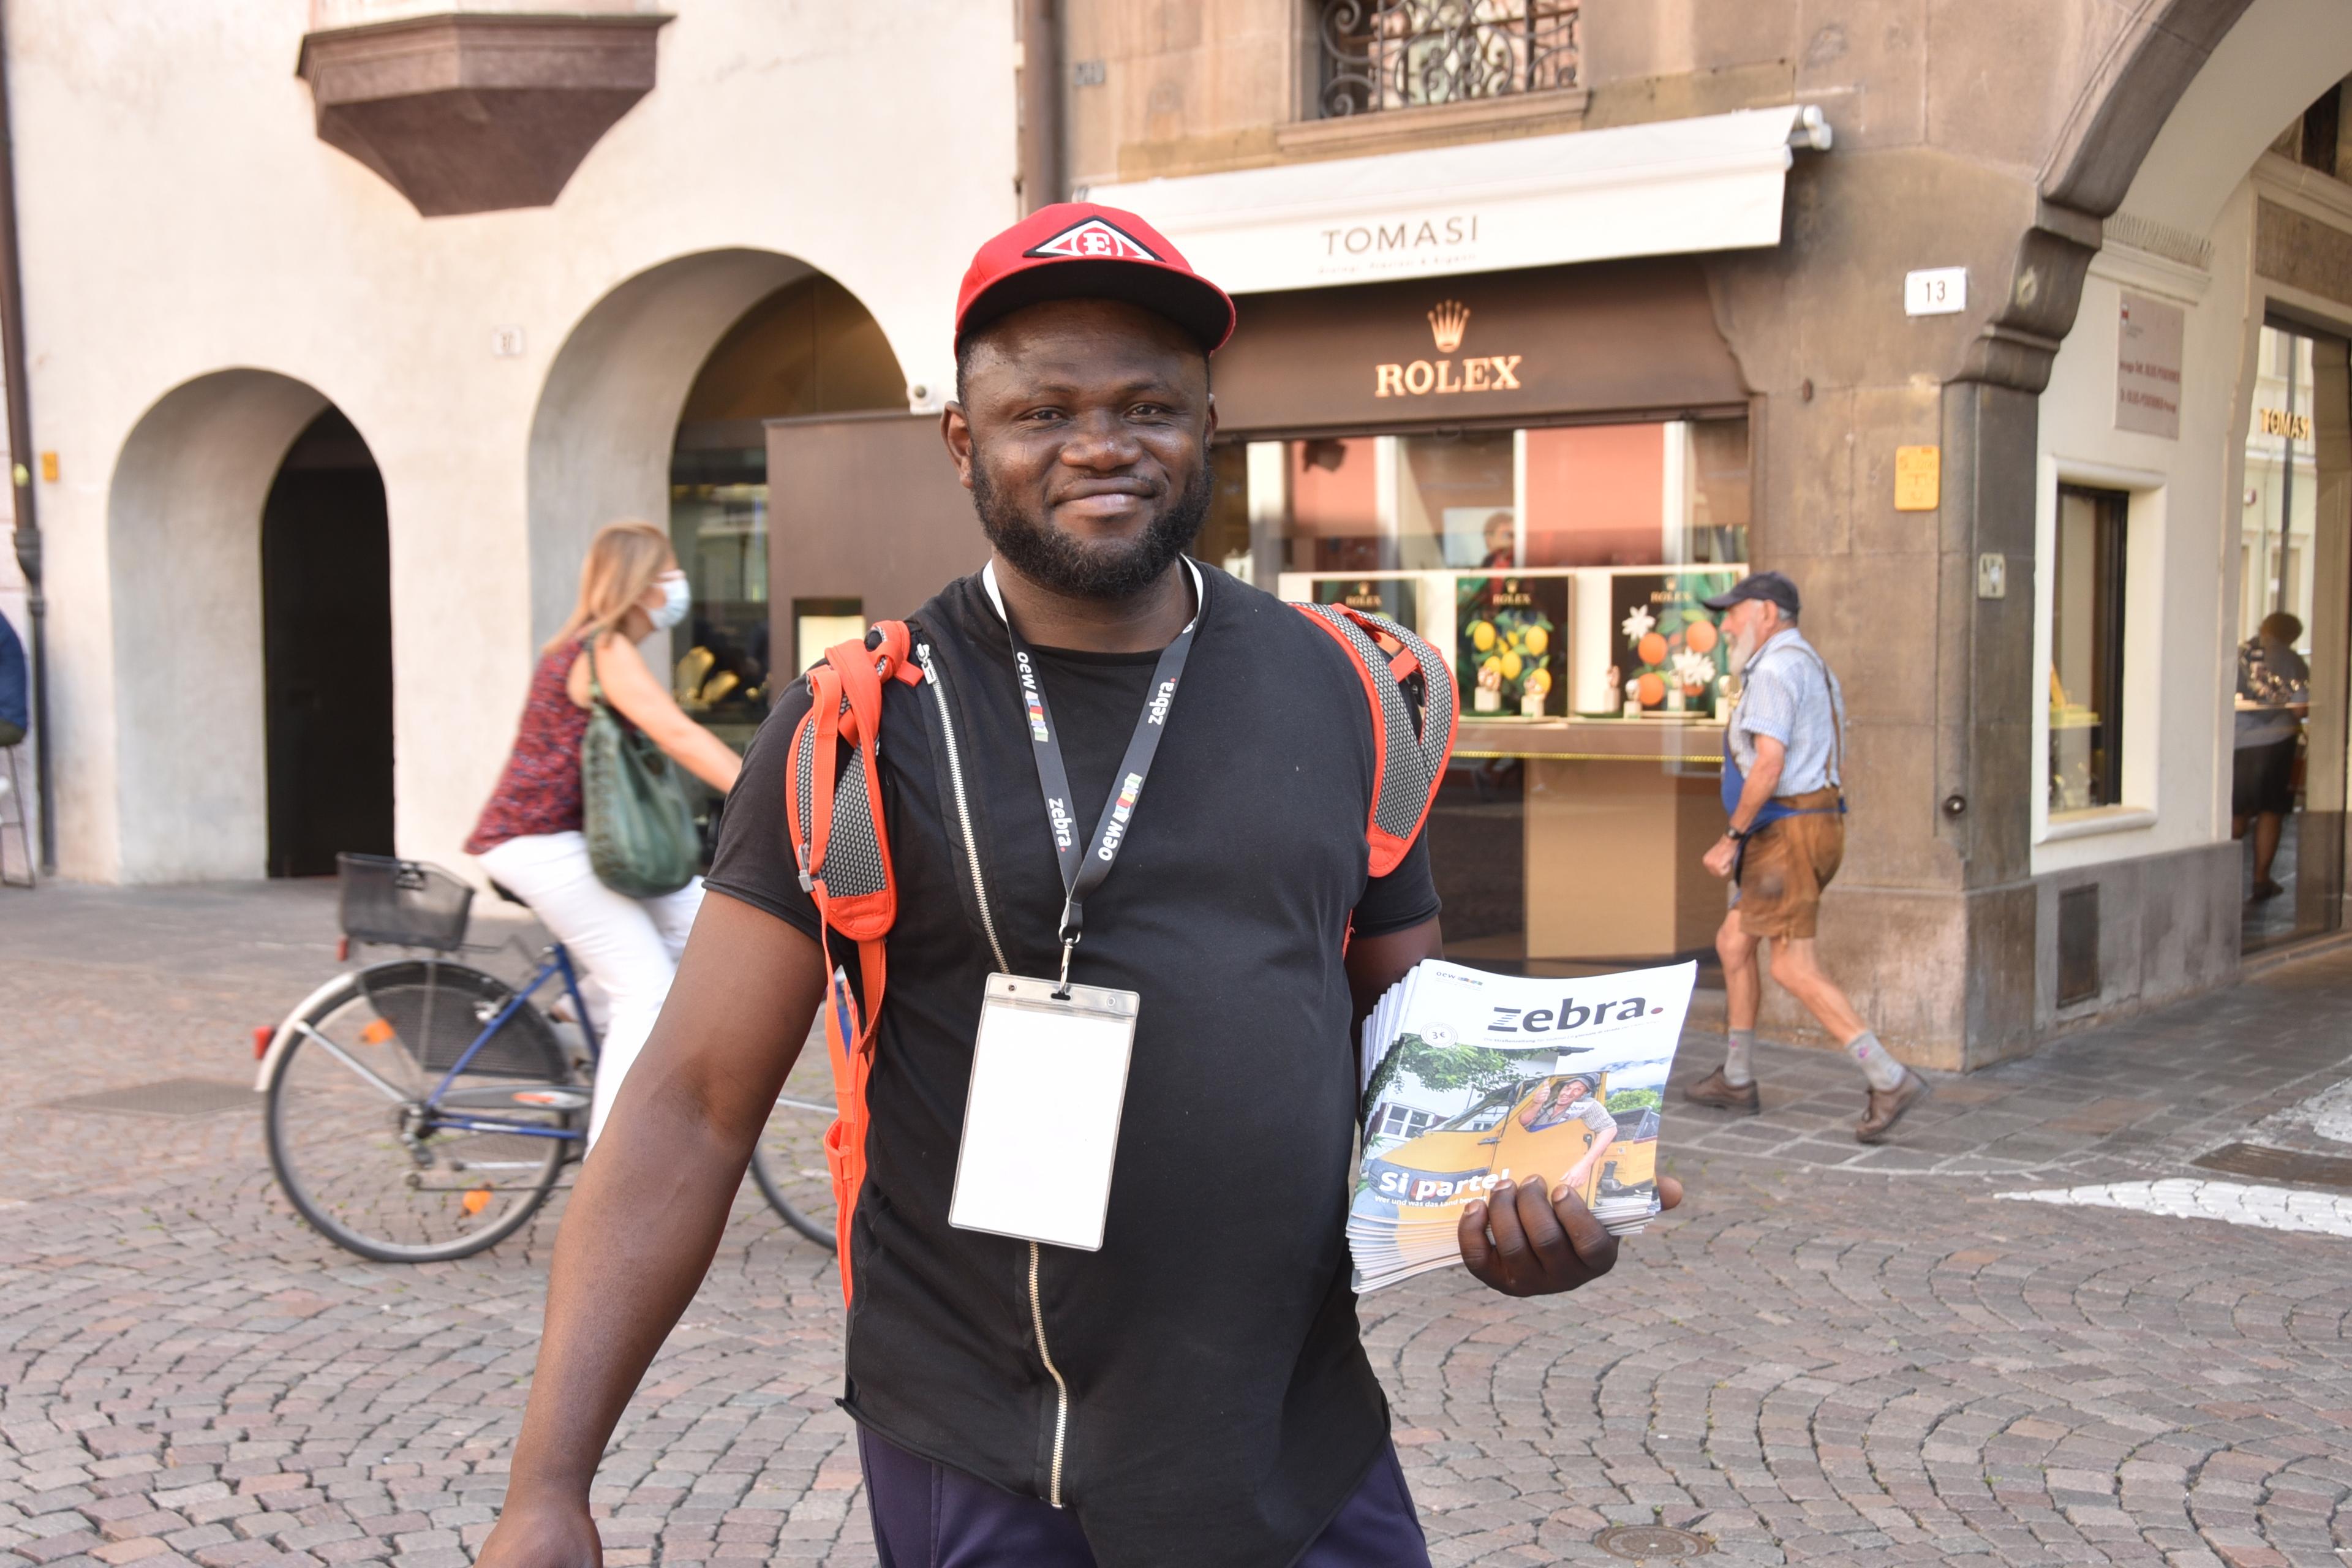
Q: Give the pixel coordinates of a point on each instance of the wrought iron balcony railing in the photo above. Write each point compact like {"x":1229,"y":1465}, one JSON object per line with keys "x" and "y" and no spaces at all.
{"x":1403,"y":54}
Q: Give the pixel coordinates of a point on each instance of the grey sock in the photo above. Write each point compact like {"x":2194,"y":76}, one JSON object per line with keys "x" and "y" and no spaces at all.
{"x":1735,"y":1070}
{"x":1882,"y":1070}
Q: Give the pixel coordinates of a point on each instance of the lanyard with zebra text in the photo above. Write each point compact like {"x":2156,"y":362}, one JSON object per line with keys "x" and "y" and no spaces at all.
{"x":1049,"y":1059}
{"x":1084,"y":867}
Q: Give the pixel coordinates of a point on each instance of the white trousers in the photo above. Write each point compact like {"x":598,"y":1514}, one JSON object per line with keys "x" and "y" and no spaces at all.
{"x":630,"y":946}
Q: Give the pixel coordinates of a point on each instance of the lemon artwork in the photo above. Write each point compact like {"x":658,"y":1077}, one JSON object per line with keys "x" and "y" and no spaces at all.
{"x":1506,"y":637}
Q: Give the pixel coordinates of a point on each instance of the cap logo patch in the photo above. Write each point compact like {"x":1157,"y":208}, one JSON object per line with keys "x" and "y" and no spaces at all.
{"x":1095,"y":240}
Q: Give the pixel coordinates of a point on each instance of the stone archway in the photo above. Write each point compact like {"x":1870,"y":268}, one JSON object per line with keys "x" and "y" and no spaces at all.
{"x":184,"y":547}
{"x":2281,"y":55}
{"x":660,"y":393}
{"x":2124,"y":103}
{"x":602,"y":438}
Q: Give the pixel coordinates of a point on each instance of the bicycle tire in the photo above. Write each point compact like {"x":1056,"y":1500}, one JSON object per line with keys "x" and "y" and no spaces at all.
{"x":789,"y":1163}
{"x":772,"y":1190}
{"x":308,"y":1112}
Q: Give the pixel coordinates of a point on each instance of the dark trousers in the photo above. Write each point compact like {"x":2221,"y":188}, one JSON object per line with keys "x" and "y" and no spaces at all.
{"x":929,"y":1516}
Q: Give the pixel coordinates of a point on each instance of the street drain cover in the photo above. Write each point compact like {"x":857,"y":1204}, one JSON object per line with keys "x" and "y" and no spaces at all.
{"x":1643,"y":1542}
{"x":2280,"y":1164}
{"x":172,"y":1097}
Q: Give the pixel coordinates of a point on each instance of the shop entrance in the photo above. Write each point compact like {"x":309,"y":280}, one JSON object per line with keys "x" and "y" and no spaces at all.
{"x":807,"y":349}
{"x":326,"y":602}
{"x":2288,"y":714}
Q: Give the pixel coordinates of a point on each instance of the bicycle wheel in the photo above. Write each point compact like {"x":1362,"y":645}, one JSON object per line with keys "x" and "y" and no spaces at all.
{"x":789,"y":1163}
{"x":362,"y":1157}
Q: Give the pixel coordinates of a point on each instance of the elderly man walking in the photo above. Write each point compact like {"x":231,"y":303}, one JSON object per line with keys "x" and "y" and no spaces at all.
{"x":1782,"y":772}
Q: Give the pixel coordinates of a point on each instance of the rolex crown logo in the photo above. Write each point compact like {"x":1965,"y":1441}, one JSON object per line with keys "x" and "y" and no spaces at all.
{"x":1446,"y":322}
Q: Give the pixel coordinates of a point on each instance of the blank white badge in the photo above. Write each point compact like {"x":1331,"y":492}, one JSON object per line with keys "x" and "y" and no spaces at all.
{"x":1041,"y":1125}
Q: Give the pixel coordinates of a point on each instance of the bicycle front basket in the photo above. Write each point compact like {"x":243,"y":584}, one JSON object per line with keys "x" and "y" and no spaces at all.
{"x":402,"y":903}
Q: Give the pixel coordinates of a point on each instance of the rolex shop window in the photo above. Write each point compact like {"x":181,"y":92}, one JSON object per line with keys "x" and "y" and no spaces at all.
{"x":1561,"y":567}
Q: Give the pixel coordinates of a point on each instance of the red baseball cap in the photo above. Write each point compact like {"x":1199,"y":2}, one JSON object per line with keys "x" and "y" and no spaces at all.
{"x":1079,"y":250}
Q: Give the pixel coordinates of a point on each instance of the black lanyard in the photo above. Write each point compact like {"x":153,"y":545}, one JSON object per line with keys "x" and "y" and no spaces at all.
{"x":1083,"y":869}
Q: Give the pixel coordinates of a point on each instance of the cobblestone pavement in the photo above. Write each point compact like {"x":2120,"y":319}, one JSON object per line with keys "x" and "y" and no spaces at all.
{"x":1829,"y":1356}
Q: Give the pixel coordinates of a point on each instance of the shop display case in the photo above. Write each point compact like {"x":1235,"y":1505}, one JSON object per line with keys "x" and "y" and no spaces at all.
{"x":1585,"y":784}
{"x":1604,"y":662}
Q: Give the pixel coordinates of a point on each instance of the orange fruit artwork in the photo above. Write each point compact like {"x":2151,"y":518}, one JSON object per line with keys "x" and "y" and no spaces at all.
{"x":1650,"y":688}
{"x":1700,"y":636}
{"x":1653,"y":648}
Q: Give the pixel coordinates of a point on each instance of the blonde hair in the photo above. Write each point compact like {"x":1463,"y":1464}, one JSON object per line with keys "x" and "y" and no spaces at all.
{"x":623,"y":559}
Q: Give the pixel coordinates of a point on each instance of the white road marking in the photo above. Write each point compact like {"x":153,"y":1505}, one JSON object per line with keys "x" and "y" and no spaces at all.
{"x":2328,"y":1113}
{"x":2234,"y":1202}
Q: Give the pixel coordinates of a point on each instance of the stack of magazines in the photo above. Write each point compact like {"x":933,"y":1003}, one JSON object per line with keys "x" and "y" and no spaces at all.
{"x":1472,"y":1078}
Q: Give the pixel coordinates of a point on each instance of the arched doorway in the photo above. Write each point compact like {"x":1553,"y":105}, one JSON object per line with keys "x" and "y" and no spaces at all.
{"x":808,"y":349}
{"x":196,"y":634}
{"x":655,"y":408}
{"x":326,"y":607}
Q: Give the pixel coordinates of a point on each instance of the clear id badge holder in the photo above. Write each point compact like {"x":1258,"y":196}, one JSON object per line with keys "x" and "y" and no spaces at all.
{"x":1041,"y":1123}
{"x":1049,"y":1063}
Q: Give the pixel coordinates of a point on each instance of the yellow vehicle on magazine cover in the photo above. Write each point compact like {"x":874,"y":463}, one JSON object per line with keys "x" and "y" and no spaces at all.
{"x":1554,"y":1126}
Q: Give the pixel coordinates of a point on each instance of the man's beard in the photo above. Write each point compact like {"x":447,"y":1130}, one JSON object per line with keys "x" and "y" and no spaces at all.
{"x":1069,"y":566}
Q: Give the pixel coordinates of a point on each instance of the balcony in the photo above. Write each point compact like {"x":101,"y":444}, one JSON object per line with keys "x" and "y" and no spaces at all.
{"x":465,"y":107}
{"x":1379,"y":56}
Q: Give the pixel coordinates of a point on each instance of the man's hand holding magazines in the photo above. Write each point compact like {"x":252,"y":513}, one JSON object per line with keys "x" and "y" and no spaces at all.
{"x":1527,"y":1242}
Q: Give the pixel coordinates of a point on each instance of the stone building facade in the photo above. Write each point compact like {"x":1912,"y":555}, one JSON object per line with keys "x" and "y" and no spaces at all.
{"x":2068,"y":159}
{"x":490,"y":274}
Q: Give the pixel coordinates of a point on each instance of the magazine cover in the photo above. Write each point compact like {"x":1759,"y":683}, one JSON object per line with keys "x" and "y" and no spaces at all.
{"x":1471,"y":1078}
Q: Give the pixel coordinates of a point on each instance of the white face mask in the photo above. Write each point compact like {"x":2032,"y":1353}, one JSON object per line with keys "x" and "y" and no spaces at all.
{"x":678,"y":597}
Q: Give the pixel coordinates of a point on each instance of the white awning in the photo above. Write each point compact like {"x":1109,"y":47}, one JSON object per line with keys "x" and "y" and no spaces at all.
{"x":1674,"y":185}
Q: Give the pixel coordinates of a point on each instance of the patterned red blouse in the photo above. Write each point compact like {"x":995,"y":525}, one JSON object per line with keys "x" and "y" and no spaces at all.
{"x":539,"y":790}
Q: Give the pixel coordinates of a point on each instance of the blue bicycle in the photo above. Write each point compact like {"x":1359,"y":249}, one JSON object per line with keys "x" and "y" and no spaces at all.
{"x":421,"y":1109}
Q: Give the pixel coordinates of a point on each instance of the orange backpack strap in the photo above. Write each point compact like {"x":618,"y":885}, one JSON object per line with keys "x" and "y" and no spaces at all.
{"x":833,"y":814}
{"x":1412,"y":730}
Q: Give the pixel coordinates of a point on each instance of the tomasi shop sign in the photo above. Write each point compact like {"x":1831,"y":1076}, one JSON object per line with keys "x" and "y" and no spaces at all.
{"x":1405,"y":246}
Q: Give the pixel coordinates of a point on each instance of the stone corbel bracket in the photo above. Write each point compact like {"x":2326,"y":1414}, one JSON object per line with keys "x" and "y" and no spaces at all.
{"x":472,"y":112}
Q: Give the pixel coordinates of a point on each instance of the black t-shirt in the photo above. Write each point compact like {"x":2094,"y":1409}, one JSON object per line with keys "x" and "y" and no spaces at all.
{"x":1220,"y":1406}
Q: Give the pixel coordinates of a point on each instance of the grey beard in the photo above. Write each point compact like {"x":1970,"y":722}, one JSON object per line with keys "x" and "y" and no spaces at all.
{"x":1056,"y":560}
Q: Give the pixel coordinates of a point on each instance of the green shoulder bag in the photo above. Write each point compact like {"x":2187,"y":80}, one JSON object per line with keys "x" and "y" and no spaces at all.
{"x":640,"y":827}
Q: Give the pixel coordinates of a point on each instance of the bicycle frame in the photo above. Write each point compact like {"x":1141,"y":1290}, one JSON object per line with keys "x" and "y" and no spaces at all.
{"x":557,"y":962}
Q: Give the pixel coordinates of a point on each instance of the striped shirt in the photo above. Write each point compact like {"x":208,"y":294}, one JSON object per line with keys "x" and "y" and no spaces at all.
{"x":1788,"y":693}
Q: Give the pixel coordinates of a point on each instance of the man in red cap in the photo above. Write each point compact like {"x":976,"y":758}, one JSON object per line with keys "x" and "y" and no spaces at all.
{"x":1191,"y":1389}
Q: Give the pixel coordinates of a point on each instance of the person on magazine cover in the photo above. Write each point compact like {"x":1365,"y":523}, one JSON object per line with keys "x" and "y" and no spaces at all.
{"x":1783,"y":776}
{"x":1573,"y":1101}
{"x":1194,"y":1391}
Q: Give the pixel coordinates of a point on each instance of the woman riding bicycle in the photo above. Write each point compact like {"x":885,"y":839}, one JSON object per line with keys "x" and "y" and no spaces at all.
{"x":529,"y":840}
